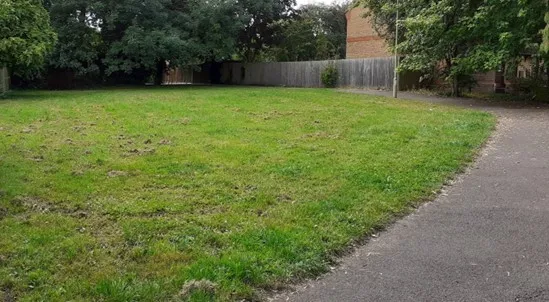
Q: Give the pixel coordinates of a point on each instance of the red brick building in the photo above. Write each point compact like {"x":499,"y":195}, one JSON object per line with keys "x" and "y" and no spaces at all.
{"x":362,"y":39}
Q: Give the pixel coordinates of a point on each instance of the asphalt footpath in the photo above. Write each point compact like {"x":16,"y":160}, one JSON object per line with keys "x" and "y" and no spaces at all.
{"x":485,"y":238}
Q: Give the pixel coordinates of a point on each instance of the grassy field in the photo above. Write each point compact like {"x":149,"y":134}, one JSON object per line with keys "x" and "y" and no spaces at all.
{"x":207,"y":193}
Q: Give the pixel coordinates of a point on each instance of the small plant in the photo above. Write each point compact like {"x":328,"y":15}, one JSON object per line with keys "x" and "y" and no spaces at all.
{"x":329,"y":76}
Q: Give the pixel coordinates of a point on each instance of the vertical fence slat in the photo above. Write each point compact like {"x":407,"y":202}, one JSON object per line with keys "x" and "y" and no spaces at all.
{"x":4,"y":80}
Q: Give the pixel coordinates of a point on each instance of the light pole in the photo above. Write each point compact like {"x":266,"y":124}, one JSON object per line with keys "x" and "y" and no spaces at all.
{"x":395,"y":80}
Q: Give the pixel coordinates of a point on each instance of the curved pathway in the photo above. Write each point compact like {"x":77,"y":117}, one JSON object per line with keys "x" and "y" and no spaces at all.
{"x":485,"y":238}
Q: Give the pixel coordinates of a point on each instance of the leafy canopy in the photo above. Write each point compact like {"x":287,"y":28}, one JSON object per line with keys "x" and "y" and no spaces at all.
{"x":80,"y":40}
{"x":462,"y":36}
{"x":25,"y":35}
{"x":126,"y":39}
{"x":129,"y":40}
{"x":314,"y":32}
{"x":545,"y":45}
{"x":261,"y":24}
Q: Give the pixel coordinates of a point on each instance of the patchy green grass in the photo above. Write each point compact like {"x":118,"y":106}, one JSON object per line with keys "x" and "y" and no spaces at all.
{"x":207,"y":193}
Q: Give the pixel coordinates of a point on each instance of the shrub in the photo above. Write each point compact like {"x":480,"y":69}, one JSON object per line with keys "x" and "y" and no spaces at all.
{"x":530,"y":88}
{"x":329,"y":76}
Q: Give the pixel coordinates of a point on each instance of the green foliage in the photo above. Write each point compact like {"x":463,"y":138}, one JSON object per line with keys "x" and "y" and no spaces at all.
{"x":172,"y":193}
{"x":330,"y":76}
{"x":216,"y":28}
{"x":127,"y":41}
{"x":80,"y":42}
{"x":314,"y":32}
{"x":26,"y":36}
{"x":131,"y":41}
{"x":545,"y":45}
{"x":181,"y":32}
{"x":531,"y":88}
{"x":297,"y":42}
{"x":261,"y":23}
{"x":465,"y":36}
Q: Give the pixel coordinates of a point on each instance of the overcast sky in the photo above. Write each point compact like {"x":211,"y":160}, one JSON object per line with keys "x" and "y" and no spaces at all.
{"x":301,"y":2}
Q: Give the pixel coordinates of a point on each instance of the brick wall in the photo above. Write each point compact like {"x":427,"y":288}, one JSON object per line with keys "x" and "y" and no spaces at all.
{"x":362,"y":39}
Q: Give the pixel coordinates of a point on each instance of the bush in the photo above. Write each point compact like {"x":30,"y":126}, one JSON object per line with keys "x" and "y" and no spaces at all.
{"x":329,"y":76}
{"x":531,"y":88}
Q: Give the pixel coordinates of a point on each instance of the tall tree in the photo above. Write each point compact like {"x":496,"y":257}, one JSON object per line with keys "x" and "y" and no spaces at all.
{"x":26,"y":35}
{"x":80,"y":43}
{"x":261,"y":24}
{"x":439,"y":33}
{"x":313,"y":32}
{"x":142,"y":36}
{"x":466,"y":36}
{"x":216,"y":26}
{"x":294,"y":41}
{"x":545,"y":45}
{"x":330,"y":22}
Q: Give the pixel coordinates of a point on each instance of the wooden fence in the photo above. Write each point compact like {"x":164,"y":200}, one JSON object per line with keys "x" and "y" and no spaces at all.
{"x":367,"y":73}
{"x":4,"y":80}
{"x":176,"y":76}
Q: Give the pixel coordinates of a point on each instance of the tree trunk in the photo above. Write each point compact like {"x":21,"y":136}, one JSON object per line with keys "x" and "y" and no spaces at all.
{"x":454,"y":79}
{"x":455,"y":87}
{"x":160,"y":70}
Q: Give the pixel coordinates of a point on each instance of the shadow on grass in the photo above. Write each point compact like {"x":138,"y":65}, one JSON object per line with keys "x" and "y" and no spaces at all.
{"x":37,"y":95}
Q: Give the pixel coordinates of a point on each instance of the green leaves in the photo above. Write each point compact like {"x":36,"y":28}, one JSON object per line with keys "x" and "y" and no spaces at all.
{"x":461,"y":36}
{"x":314,"y":32}
{"x":131,"y":39}
{"x":80,"y":42}
{"x":25,"y":35}
{"x":545,"y":33}
{"x":261,"y":25}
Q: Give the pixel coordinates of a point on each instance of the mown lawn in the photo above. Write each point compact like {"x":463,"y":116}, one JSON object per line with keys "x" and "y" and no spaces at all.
{"x":207,"y":193}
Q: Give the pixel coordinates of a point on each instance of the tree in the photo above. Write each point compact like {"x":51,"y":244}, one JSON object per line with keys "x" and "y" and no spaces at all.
{"x":216,"y":27}
{"x":261,"y":23}
{"x":462,"y":36}
{"x":313,"y":32}
{"x":26,"y":36}
{"x":80,"y":44}
{"x":295,"y":41}
{"x":330,"y":24}
{"x":512,"y":30}
{"x":545,"y":45}
{"x":142,"y":36}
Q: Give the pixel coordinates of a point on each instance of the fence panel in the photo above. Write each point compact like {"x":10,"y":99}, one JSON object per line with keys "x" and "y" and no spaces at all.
{"x":368,"y":73}
{"x":4,"y":80}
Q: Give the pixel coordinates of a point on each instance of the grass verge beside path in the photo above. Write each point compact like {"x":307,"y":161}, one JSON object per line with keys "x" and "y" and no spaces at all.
{"x":207,"y":193}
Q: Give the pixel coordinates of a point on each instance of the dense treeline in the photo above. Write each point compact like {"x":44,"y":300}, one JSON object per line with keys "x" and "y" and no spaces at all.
{"x":90,"y":42}
{"x":467,"y":36}
{"x":130,"y":41}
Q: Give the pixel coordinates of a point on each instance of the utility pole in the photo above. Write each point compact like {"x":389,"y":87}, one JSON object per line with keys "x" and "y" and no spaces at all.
{"x":395,"y":80}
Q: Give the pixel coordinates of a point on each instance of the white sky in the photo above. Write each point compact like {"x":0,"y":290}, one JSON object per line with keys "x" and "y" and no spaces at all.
{"x":301,"y":2}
